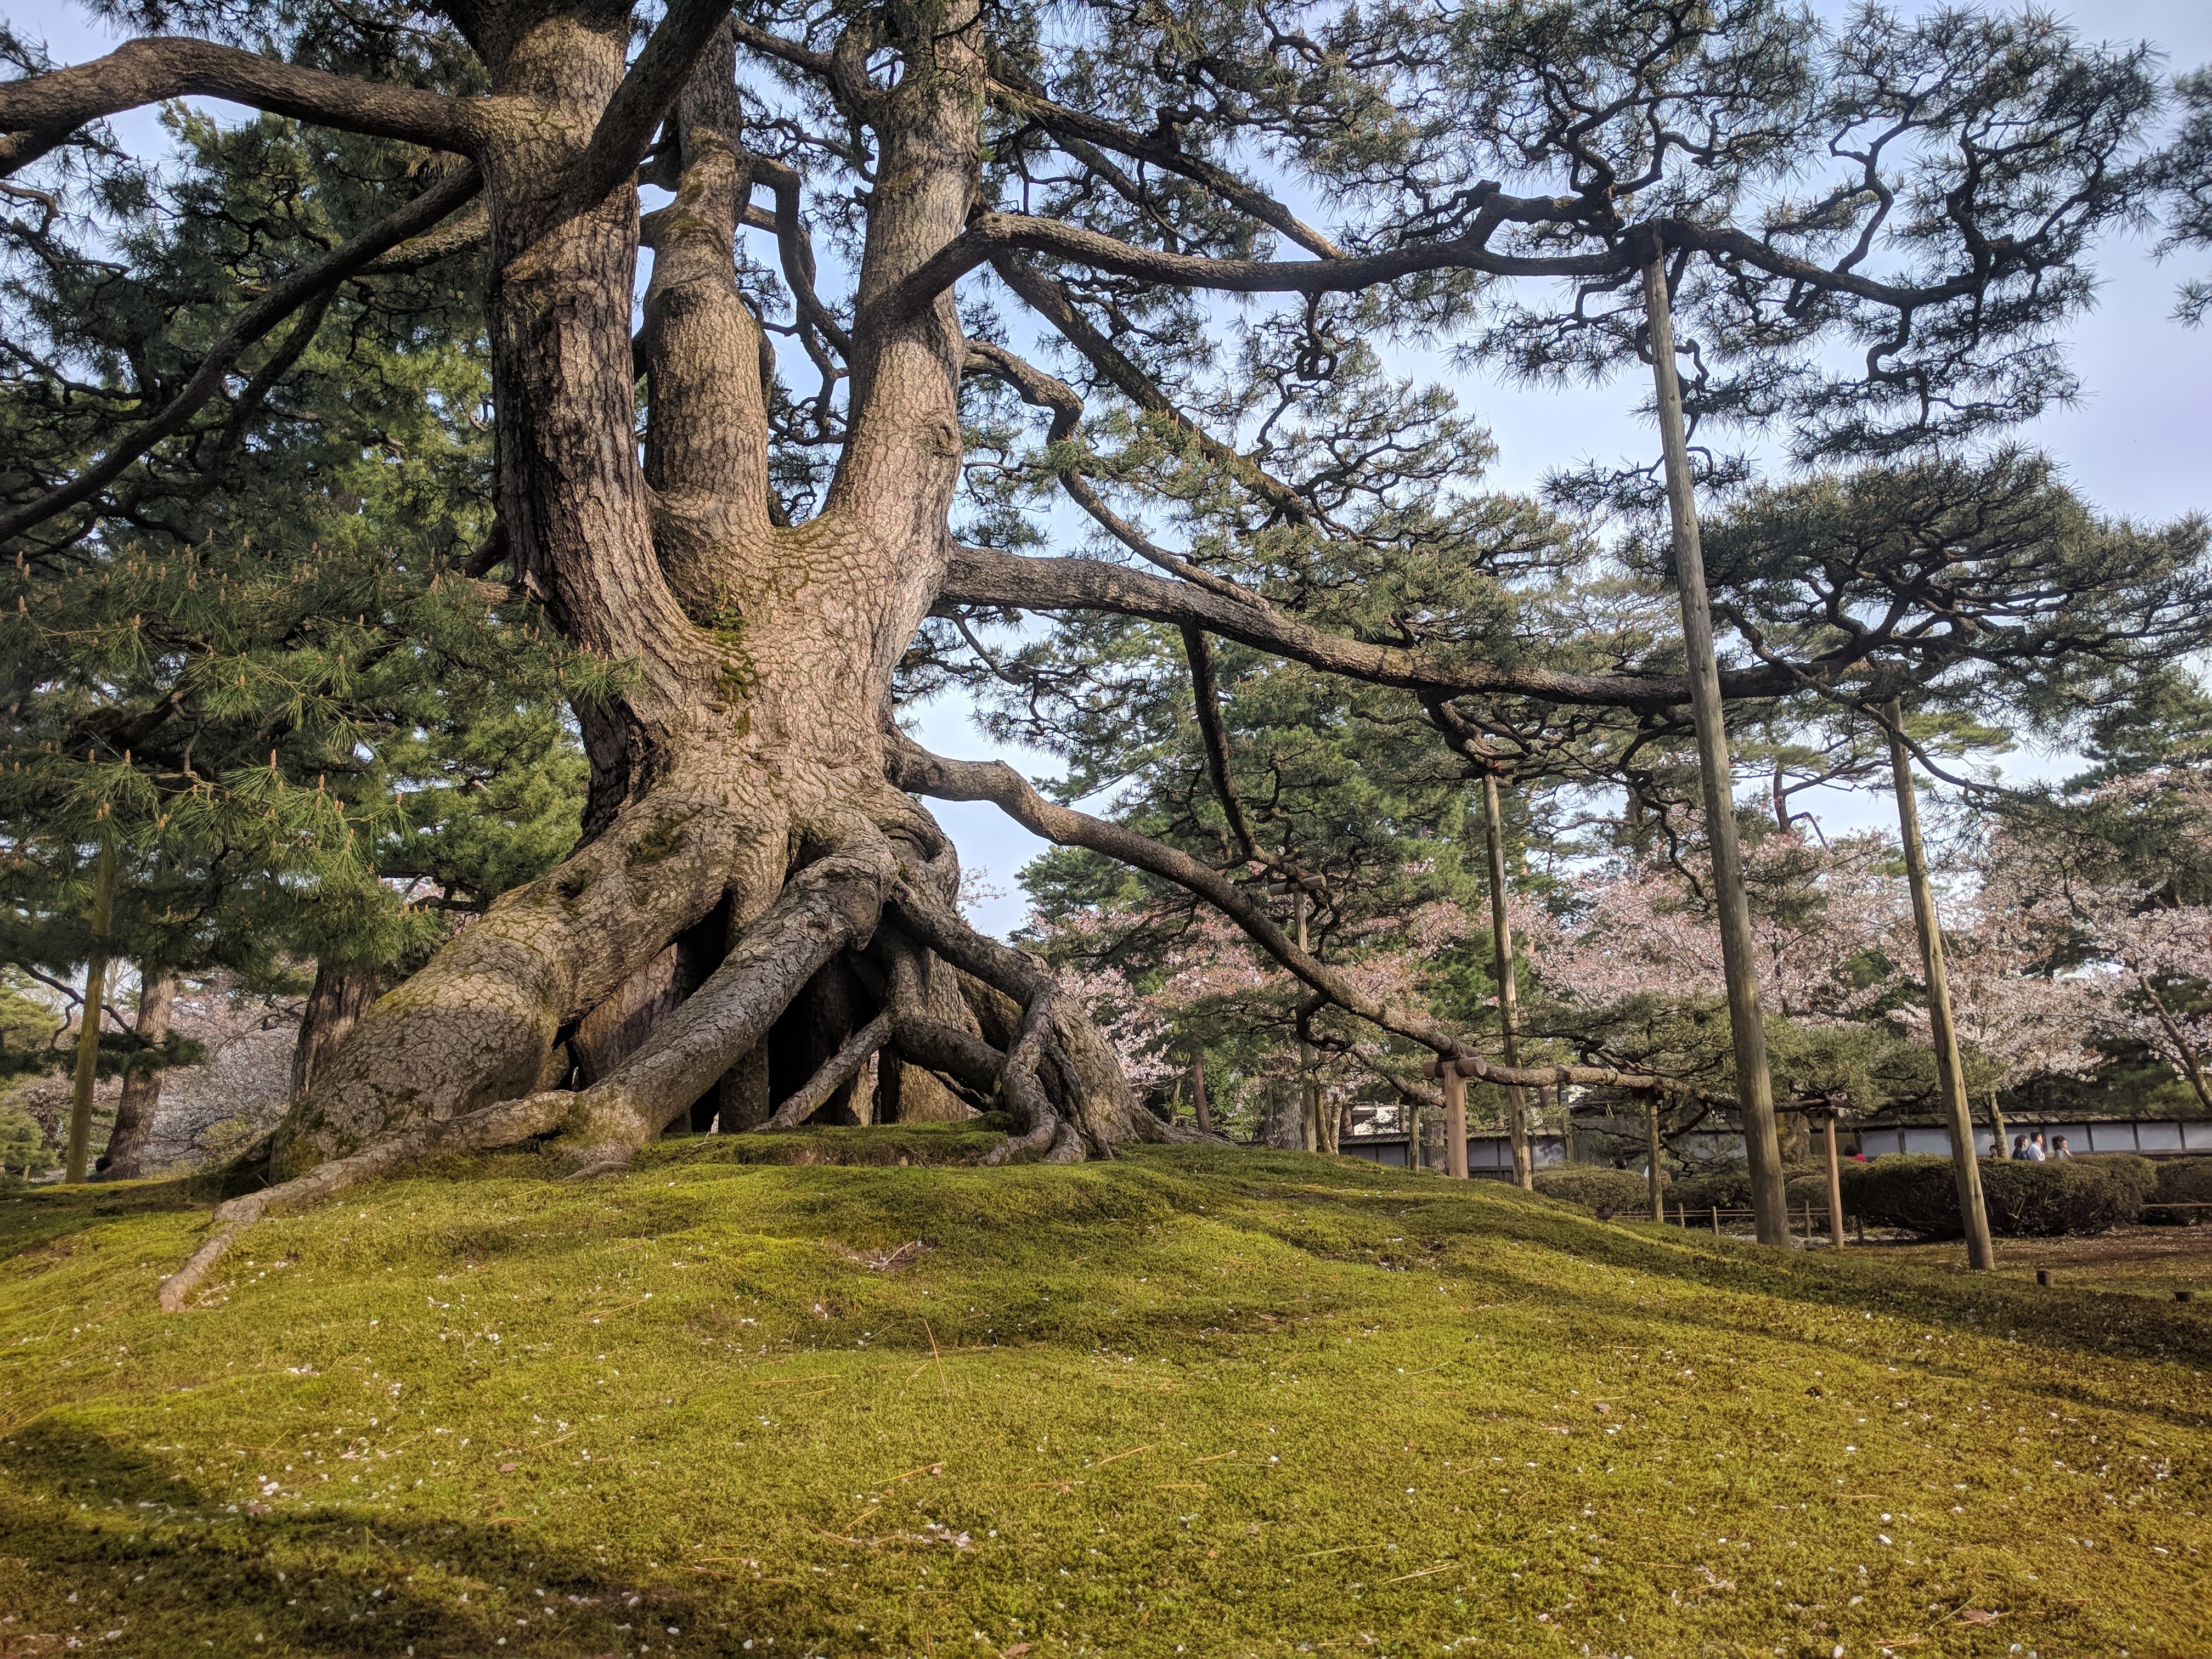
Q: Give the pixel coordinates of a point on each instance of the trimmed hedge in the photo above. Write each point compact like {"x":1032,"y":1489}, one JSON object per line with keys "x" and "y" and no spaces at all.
{"x":2025,"y":1201}
{"x":1729,"y":1189}
{"x":1623,"y":1192}
{"x":2182,"y":1181}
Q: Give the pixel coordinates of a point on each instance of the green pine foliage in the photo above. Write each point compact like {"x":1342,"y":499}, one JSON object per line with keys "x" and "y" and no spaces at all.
{"x":256,"y":665}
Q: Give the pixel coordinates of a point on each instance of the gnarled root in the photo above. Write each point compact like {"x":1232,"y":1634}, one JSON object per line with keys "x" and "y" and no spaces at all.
{"x":829,"y":906}
{"x":840,"y":1068}
{"x":506,"y":1124}
{"x":1053,"y":1048}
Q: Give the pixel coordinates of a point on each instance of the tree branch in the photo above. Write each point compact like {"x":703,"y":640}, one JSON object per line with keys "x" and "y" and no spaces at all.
{"x":1059,"y":120}
{"x":1052,"y":302}
{"x":1043,"y":391}
{"x":911,"y":767}
{"x":990,"y":237}
{"x":1206,"y":697}
{"x":43,"y":111}
{"x":978,"y":575}
{"x":649,"y":90}
{"x":307,"y":286}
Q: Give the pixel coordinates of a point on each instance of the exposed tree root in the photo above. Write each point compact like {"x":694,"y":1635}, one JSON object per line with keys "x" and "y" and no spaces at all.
{"x":506,"y":1124}
{"x":842,"y":1067}
{"x":968,"y":1063}
{"x":1095,"y":1109}
{"x":829,"y":906}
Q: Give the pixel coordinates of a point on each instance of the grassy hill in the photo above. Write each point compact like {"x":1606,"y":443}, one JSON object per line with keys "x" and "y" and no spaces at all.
{"x":1197,"y":1400}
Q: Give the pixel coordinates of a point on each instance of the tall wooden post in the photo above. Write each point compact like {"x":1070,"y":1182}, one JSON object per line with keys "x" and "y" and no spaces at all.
{"x":88,"y":1037}
{"x":1754,"y":1087}
{"x":1652,"y":1149}
{"x":1509,"y":1011}
{"x":1197,"y":1091}
{"x":1835,"y":1182}
{"x":1309,"y":1095}
{"x":1950,"y":1075}
{"x":1455,"y":1120}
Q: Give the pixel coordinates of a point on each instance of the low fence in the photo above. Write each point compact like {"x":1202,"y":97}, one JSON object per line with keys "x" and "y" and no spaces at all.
{"x":1491,"y":1155}
{"x":1812,"y":1220}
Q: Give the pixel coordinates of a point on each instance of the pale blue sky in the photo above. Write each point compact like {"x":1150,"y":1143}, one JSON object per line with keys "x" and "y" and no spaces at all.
{"x":2135,"y":443}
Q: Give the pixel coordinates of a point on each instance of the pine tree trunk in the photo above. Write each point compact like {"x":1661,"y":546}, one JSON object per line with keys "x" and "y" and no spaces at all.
{"x":79,"y":1147}
{"x":751,"y":889}
{"x":142,"y":1086}
{"x":1508,"y":1021}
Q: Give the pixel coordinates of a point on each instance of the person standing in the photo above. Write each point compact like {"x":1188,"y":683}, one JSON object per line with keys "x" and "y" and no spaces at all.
{"x":2019,"y":1148}
{"x":2059,"y":1148}
{"x":2035,"y":1153}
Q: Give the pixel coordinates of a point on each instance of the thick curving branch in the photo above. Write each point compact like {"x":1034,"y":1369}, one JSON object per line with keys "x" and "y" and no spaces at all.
{"x":914,"y":768}
{"x":41,"y":112}
{"x":309,"y":286}
{"x":979,"y":575}
{"x":471,"y":231}
{"x":990,"y":237}
{"x":795,"y":248}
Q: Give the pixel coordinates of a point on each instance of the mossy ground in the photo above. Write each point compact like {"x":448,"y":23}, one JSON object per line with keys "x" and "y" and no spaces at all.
{"x":1196,"y":1400}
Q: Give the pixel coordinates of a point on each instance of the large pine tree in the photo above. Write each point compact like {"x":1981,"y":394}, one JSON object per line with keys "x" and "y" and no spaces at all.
{"x":755,"y":562}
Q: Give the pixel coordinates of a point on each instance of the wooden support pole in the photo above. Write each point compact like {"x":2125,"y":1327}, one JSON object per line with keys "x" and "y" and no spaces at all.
{"x":1981,"y":1253}
{"x":1308,"y":1094}
{"x":88,"y":1037}
{"x":1454,"y":1122}
{"x":1754,"y":1087}
{"x":1835,"y":1182}
{"x":1651,"y":1139}
{"x":1509,"y":1015}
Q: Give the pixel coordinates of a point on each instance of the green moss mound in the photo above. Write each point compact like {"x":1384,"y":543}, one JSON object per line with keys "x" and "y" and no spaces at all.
{"x":942,"y":1145}
{"x":1195,"y":1400}
{"x":2025,"y":1200}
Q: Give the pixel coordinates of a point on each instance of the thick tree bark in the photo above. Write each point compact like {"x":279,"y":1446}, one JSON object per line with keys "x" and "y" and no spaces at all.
{"x":142,"y":1086}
